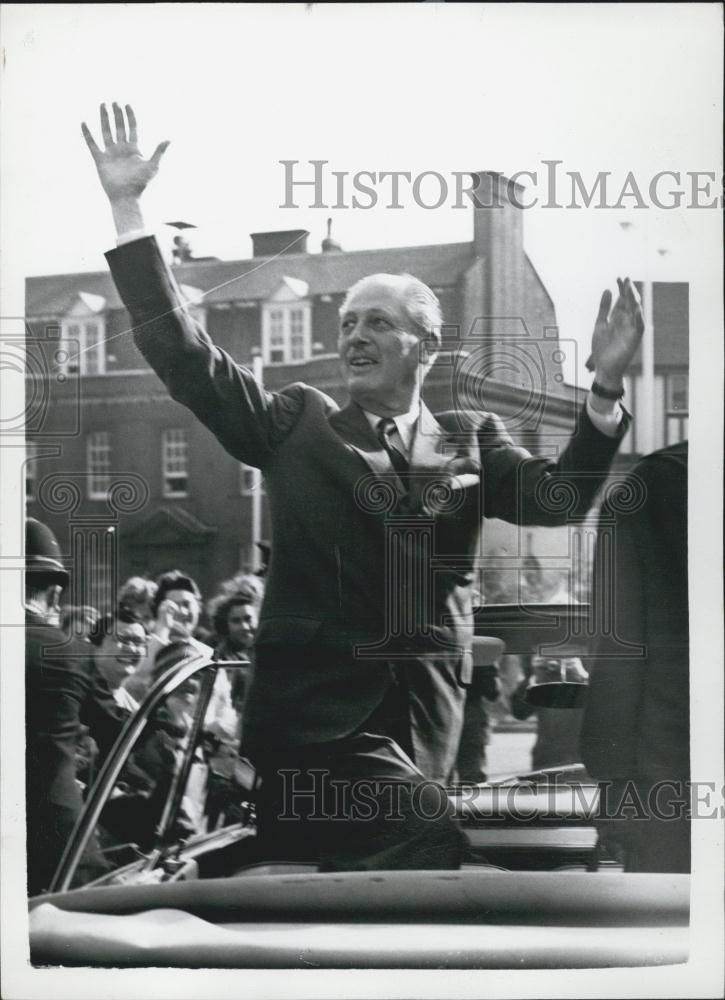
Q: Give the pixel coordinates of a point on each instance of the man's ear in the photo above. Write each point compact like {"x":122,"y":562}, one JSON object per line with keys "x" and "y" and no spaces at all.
{"x":429,"y":348}
{"x":52,"y":597}
{"x":430,"y":344}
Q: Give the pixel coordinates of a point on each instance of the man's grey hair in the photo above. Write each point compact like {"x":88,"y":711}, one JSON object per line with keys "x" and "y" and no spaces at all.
{"x":419,"y":302}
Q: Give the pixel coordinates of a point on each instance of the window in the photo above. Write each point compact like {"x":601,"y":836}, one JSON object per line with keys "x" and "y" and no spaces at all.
{"x":98,"y":464}
{"x":286,"y":333}
{"x":31,"y":471}
{"x":677,"y":408}
{"x":83,"y":342}
{"x":175,"y":463}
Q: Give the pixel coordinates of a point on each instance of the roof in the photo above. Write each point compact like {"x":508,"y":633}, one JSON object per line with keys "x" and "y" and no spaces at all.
{"x":256,"y":278}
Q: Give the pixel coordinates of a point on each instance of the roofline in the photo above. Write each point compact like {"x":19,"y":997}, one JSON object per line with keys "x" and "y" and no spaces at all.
{"x":246,"y":260}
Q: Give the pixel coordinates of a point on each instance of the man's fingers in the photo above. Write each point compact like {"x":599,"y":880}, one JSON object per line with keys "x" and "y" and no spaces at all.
{"x":159,"y":152}
{"x":106,"y":127}
{"x":604,"y":306}
{"x":90,"y":141}
{"x":635,"y":304}
{"x":120,"y":123}
{"x":132,"y":129}
{"x":632,"y":293}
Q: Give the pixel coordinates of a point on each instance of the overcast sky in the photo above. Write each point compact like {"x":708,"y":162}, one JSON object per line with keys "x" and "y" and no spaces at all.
{"x":434,"y":87}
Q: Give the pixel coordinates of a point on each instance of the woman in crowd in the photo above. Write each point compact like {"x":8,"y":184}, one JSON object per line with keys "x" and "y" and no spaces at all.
{"x":175,"y":608}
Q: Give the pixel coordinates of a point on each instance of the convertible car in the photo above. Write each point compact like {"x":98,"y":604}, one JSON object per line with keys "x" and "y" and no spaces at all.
{"x":164,"y":870}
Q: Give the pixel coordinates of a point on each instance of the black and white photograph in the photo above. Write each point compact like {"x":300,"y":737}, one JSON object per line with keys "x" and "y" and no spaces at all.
{"x":361,"y":436}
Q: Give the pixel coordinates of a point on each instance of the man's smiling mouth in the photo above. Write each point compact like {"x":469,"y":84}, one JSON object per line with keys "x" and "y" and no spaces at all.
{"x":361,"y":362}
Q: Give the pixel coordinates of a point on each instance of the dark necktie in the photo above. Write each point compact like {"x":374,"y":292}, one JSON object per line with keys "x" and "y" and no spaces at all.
{"x":386,"y":428}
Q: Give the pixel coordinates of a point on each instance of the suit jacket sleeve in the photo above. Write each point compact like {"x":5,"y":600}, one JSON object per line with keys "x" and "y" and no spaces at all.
{"x":527,"y":490}
{"x":247,"y":420}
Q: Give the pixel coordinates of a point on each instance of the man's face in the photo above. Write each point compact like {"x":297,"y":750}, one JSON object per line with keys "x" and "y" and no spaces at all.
{"x":121,"y":652}
{"x":241,"y":625}
{"x":380,"y":350}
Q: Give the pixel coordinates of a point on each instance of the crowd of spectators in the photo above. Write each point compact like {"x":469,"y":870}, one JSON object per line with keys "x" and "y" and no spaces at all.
{"x":88,"y":669}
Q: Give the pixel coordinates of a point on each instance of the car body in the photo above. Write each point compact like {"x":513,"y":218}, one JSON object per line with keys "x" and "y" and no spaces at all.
{"x":192,"y":889}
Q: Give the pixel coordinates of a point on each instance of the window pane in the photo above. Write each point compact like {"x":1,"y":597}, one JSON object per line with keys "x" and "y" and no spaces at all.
{"x":174,"y":461}
{"x":175,"y":484}
{"x":98,"y":464}
{"x":286,"y":334}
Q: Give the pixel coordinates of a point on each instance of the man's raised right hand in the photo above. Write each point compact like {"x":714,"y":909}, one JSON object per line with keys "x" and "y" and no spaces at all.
{"x":123,"y":171}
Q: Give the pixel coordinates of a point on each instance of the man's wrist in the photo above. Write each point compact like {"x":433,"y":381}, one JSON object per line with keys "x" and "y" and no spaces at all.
{"x":605,"y":414}
{"x":609,"y":382}
{"x":127,"y":215}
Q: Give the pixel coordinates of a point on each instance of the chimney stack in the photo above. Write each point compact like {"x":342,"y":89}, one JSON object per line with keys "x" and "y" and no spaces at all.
{"x":281,"y":241}
{"x":498,"y":238}
{"x":328,"y":244}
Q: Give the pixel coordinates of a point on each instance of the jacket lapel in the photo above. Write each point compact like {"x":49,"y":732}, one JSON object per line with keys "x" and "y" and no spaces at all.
{"x":428,"y":457}
{"x":352,"y":426}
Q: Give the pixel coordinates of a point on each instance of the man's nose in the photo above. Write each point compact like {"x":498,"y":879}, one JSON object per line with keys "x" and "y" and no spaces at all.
{"x":358,"y":334}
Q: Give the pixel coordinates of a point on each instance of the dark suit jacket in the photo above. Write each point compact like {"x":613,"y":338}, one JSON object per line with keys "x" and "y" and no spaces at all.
{"x":636,"y":721}
{"x":354,"y":562}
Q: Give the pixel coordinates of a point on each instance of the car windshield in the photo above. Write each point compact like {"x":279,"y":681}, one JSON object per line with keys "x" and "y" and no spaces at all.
{"x":174,"y":777}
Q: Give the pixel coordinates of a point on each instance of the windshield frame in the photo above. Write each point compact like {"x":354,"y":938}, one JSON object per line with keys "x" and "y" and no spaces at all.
{"x":111,"y":769}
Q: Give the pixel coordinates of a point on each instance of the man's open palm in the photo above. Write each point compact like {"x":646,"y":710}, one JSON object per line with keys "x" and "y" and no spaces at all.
{"x":123,"y":171}
{"x":617,"y":333}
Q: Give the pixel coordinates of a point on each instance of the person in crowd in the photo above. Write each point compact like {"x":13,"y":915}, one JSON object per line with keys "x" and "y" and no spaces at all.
{"x":62,"y":692}
{"x":175,"y":609}
{"x":136,"y":596}
{"x":250,"y":583}
{"x":235,"y":623}
{"x":635,"y":736}
{"x":119,"y":644}
{"x":149,"y":771}
{"x":358,"y":674}
{"x":78,"y":620}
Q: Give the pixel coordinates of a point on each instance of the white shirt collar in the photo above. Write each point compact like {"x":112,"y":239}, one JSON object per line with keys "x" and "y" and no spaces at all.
{"x":404,"y":422}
